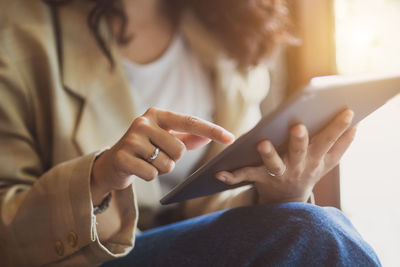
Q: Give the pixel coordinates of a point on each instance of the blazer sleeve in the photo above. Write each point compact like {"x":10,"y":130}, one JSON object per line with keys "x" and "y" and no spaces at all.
{"x":46,"y":215}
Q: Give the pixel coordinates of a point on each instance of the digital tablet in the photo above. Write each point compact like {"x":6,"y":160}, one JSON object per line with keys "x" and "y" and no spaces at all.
{"x":314,"y":106}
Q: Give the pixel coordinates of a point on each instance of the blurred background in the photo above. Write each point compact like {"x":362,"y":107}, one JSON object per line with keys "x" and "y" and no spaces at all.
{"x":368,"y":40}
{"x":352,"y":37}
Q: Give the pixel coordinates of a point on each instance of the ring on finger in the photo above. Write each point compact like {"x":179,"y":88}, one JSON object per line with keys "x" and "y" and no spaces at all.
{"x":154,"y":155}
{"x":277,"y":175}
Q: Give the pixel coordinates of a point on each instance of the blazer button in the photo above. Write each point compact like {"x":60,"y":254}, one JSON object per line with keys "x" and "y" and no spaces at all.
{"x":72,"y":239}
{"x":59,"y":248}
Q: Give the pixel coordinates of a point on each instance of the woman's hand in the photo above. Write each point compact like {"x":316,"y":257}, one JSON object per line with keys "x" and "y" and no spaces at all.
{"x":292,"y":178}
{"x":113,"y":170}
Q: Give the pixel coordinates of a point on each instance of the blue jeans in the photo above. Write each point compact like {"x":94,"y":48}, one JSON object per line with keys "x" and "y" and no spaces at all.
{"x":290,"y":234}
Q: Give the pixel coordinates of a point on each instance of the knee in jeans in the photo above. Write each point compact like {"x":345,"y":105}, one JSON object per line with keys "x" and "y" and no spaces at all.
{"x":297,"y":208}
{"x":291,"y":218}
{"x":303,"y":214}
{"x":309,"y":212}
{"x":304,"y":228}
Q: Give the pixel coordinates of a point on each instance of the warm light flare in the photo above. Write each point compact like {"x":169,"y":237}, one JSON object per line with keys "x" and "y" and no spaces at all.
{"x":367,"y":35}
{"x":368,"y":41}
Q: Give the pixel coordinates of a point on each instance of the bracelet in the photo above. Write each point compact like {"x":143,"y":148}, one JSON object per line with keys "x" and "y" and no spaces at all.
{"x":103,"y":205}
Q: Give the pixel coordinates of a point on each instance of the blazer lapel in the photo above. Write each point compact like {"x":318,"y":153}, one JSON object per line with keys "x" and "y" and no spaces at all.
{"x":108,"y":107}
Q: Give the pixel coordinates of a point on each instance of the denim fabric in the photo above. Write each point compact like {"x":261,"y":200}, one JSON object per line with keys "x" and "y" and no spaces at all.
{"x":290,"y":234}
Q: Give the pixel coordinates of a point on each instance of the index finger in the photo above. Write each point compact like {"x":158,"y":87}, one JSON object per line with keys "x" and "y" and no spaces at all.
{"x":190,"y":124}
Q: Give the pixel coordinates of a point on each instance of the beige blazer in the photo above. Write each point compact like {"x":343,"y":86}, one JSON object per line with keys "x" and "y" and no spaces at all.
{"x":59,"y":106}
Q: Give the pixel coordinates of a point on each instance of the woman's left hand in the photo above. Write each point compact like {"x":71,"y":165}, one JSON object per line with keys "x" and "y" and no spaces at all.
{"x":292,"y":177}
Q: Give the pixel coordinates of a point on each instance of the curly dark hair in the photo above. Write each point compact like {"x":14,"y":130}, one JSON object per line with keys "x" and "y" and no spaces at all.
{"x":248,"y":30}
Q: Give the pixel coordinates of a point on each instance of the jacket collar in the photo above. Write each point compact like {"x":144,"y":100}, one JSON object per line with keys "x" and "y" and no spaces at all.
{"x":108,"y":108}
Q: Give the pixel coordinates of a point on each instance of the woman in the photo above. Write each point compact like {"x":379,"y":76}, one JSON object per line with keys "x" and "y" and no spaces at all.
{"x":75,"y":77}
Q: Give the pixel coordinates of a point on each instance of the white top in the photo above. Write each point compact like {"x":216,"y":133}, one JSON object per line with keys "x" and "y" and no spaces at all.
{"x":176,"y":82}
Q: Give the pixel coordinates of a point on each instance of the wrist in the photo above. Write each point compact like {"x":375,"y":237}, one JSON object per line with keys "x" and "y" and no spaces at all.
{"x":99,"y":190}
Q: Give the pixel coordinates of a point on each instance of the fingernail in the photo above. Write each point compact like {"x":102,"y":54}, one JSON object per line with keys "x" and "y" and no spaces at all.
{"x":349,"y":117}
{"x":221,"y":177}
{"x":267,"y":147}
{"x":230,"y":137}
{"x":300,"y":131}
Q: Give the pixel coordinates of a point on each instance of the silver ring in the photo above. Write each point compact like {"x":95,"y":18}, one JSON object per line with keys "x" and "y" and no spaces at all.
{"x":277,"y":175}
{"x":154,"y":155}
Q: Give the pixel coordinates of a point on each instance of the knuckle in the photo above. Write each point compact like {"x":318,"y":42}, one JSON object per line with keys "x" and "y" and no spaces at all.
{"x":140,"y":124}
{"x":151,"y":111}
{"x":191,"y":121}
